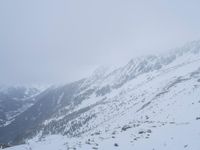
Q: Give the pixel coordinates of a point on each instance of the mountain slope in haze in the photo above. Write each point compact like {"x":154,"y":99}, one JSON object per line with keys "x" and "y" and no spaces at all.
{"x":150,"y":103}
{"x":14,"y":100}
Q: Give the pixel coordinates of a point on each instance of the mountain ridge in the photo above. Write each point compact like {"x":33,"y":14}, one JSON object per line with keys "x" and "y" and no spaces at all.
{"x":105,"y":102}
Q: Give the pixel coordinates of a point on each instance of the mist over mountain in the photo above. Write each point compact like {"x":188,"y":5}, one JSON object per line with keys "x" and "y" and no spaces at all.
{"x":48,"y":41}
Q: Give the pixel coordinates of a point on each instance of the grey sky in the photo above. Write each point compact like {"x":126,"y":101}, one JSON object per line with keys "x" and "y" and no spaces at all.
{"x":49,"y":41}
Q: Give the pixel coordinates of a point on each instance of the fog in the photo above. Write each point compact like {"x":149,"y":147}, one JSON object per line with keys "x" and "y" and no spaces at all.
{"x":53,"y":41}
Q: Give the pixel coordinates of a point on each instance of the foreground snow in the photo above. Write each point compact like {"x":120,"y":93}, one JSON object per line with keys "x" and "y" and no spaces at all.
{"x":167,"y":137}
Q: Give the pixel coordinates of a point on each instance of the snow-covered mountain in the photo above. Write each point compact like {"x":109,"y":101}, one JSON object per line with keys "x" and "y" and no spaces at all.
{"x":153,"y":102}
{"x":14,"y":100}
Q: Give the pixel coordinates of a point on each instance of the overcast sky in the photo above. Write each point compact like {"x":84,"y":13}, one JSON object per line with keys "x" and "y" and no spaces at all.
{"x":50,"y":41}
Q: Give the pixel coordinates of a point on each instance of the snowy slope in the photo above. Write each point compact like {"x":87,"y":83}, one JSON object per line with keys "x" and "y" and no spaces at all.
{"x":153,"y":102}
